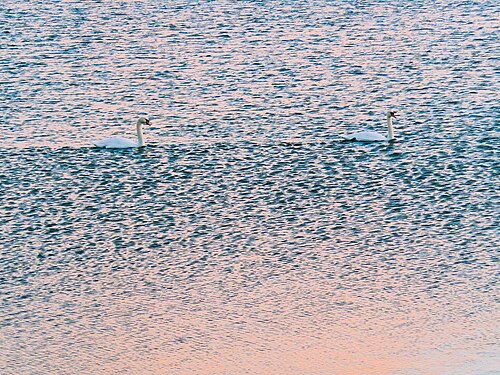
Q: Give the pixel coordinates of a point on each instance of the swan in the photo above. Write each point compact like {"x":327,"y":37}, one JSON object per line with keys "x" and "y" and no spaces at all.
{"x":374,"y":136}
{"x":120,"y":142}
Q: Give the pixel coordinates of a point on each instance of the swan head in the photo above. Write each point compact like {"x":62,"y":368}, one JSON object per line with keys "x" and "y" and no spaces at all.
{"x":143,"y":121}
{"x":391,"y":114}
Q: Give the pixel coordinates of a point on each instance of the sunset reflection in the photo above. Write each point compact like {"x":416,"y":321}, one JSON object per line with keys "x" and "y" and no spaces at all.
{"x":246,"y":237}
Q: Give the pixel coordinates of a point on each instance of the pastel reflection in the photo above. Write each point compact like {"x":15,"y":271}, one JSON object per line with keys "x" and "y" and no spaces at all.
{"x":246,"y":238}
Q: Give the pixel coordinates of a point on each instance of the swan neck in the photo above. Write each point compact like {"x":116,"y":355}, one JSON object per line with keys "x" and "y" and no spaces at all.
{"x":390,"y":129}
{"x":140,"y":137}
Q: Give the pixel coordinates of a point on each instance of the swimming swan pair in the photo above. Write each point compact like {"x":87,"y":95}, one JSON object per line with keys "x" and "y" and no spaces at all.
{"x":120,"y":142}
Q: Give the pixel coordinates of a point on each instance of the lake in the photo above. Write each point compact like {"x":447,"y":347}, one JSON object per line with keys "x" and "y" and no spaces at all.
{"x":247,"y":237}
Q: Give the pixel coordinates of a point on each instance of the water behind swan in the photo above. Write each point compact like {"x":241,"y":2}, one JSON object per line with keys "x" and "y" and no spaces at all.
{"x":245,"y":238}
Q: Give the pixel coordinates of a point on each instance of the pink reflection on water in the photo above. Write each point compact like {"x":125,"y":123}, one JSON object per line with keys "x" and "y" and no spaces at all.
{"x":365,"y":349}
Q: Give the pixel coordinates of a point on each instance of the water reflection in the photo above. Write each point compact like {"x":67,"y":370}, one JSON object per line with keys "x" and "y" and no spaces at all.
{"x":246,"y":238}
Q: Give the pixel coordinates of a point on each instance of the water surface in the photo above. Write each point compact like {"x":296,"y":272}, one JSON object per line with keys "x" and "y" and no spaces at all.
{"x":246,"y":238}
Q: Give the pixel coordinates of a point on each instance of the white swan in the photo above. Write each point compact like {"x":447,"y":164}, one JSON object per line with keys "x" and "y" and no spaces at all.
{"x":374,"y":136}
{"x":120,"y":142}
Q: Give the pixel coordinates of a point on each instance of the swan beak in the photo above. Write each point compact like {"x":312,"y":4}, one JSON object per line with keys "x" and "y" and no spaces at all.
{"x":393,"y":115}
{"x":148,"y":122}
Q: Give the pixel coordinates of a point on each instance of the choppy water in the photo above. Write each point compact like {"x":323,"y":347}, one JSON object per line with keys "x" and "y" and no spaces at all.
{"x":246,"y":238}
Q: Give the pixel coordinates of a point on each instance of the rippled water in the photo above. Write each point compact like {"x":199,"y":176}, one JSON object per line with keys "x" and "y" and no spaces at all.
{"x":246,"y":238}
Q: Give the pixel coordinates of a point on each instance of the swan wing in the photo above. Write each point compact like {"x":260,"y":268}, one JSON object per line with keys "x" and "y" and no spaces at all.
{"x":365,"y":137}
{"x":116,"y":142}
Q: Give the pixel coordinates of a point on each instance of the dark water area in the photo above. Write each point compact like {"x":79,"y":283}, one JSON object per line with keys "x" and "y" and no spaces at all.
{"x":246,"y":237}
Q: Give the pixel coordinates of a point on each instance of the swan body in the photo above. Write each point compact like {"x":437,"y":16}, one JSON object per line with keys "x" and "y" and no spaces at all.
{"x":373,"y":136}
{"x":121,"y":142}
{"x":365,"y":137}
